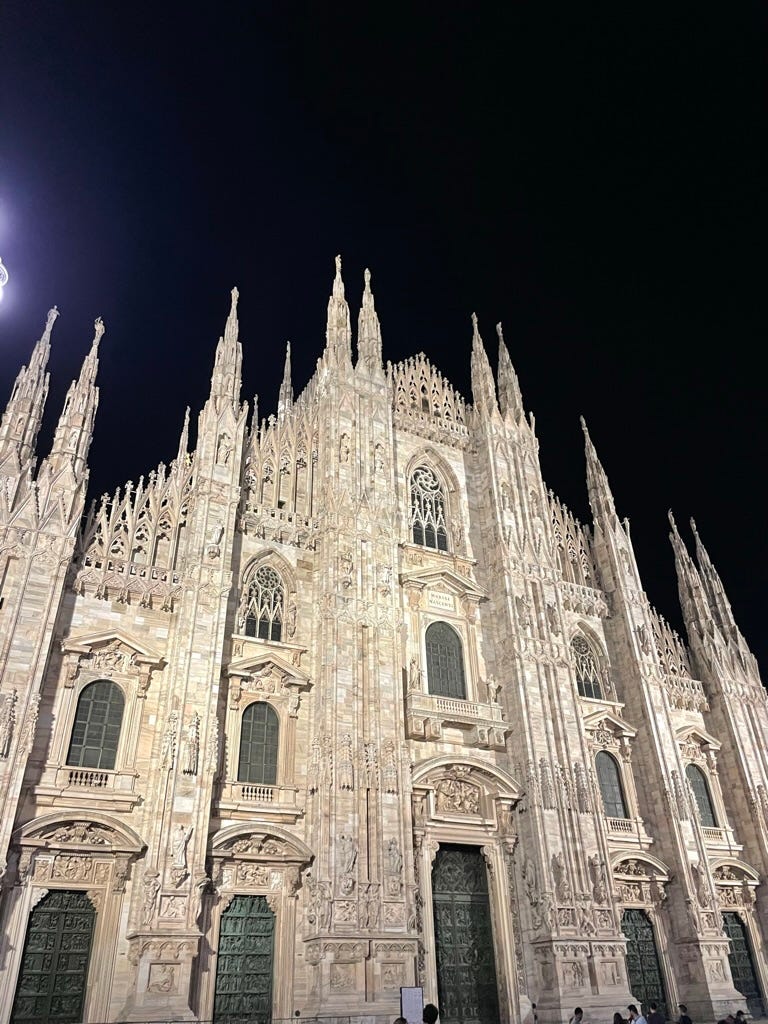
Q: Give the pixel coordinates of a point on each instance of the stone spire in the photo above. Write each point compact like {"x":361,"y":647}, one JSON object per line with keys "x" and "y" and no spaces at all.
{"x":483,"y":386}
{"x":713,"y":586}
{"x":75,"y":427}
{"x":285,"y":398}
{"x":369,"y":331}
{"x":183,"y":451}
{"x":693,"y":600}
{"x":510,"y":397}
{"x":338,"y":335}
{"x":226,"y":377}
{"x":21,"y":421}
{"x":600,"y":497}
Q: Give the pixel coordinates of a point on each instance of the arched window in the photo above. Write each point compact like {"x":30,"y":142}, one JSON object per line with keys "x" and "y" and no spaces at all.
{"x":698,"y":782}
{"x":258,"y":745}
{"x":587,"y":672}
{"x":96,"y":731}
{"x":264,"y":605}
{"x":609,"y":780}
{"x":445,"y":662}
{"x":428,"y":510}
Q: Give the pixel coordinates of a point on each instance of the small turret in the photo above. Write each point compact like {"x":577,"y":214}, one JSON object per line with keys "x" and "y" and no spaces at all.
{"x":227,"y":367}
{"x":693,"y":600}
{"x":510,"y":397}
{"x":338,"y":335}
{"x":21,"y":421}
{"x":369,"y":332}
{"x":483,"y":385}
{"x":600,"y":496}
{"x":713,"y":586}
{"x":285,"y":398}
{"x":182,"y":455}
{"x":74,"y":430}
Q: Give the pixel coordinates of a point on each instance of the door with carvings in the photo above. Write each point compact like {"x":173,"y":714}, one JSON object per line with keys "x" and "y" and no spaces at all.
{"x":54,"y":964}
{"x":466,"y":968}
{"x":742,"y":964}
{"x":646,"y":982}
{"x":245,"y":962}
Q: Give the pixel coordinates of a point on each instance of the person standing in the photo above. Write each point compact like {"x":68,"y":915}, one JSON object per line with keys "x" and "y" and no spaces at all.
{"x":635,"y":1015}
{"x":578,"y":1015}
{"x":683,"y":1018}
{"x":655,"y":1017}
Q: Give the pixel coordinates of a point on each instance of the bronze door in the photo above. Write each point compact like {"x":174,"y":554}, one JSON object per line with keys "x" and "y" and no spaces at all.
{"x":466,"y":968}
{"x":645,"y":980}
{"x":54,"y":965}
{"x":742,"y":964}
{"x":245,"y":962}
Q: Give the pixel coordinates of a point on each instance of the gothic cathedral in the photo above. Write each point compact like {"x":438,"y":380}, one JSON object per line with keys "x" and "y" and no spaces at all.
{"x":346,"y":700}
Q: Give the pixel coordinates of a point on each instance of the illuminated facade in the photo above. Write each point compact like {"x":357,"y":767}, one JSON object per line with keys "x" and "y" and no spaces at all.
{"x":347,"y":700}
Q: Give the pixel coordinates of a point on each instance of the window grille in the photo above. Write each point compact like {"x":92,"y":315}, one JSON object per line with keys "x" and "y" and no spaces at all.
{"x":609,"y":780}
{"x":445,"y":662}
{"x":698,"y":782}
{"x":96,"y":732}
{"x":259,"y":733}
{"x":428,"y":510}
{"x":587,"y":672}
{"x":264,"y":605}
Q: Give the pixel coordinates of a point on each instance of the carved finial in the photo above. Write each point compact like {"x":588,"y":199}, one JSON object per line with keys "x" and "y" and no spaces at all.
{"x":367,"y":279}
{"x":474,"y":322}
{"x":338,"y":283}
{"x":98,"y":330}
{"x":235,"y":296}
{"x":695,"y":531}
{"x":338,"y":266}
{"x":52,"y":314}
{"x":500,"y":333}
{"x":583,"y":423}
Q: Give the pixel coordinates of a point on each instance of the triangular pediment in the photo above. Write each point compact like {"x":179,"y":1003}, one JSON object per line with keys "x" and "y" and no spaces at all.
{"x":695,"y":734}
{"x":266,"y":662}
{"x":446,"y":579}
{"x":609,"y":720}
{"x":93,"y":643}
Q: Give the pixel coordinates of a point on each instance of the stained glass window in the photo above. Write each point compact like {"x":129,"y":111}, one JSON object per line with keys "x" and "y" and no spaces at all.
{"x":445,"y":662}
{"x":701,"y":794}
{"x":258,"y":745}
{"x":264,"y":605}
{"x":587,"y":672}
{"x":96,"y":731}
{"x":609,"y":780}
{"x":428,"y":510}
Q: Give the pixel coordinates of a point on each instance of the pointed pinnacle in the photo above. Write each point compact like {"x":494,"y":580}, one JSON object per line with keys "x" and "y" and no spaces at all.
{"x":671,"y":519}
{"x":231,"y":328}
{"x":338,"y":283}
{"x":52,"y":315}
{"x":367,"y":293}
{"x":98,"y":330}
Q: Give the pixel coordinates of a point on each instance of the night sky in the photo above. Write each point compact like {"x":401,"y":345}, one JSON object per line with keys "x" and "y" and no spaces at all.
{"x":593,"y":178}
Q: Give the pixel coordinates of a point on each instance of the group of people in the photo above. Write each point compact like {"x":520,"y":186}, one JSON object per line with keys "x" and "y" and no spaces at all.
{"x":429,"y":1015}
{"x":655,"y":1016}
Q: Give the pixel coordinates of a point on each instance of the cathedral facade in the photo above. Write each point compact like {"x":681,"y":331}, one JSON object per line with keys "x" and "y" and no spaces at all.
{"x":346,"y":700}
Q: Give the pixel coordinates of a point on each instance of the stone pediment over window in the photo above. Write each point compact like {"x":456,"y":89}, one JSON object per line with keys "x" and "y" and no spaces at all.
{"x":266,"y":674}
{"x":698,"y":746}
{"x":110,"y":652}
{"x":606,"y":729}
{"x":442,"y":589}
{"x":639,"y":880}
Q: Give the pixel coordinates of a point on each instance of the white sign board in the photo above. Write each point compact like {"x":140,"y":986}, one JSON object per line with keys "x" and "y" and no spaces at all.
{"x":412,"y":1004}
{"x":438,"y":599}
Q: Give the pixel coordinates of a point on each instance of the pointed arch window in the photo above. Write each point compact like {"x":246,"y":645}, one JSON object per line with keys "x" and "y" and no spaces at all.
{"x":259,"y":734}
{"x":609,"y":780}
{"x":264,"y":605}
{"x":445,"y":662}
{"x":701,"y":794}
{"x":98,"y":720}
{"x":587,"y":672}
{"x":428,"y":510}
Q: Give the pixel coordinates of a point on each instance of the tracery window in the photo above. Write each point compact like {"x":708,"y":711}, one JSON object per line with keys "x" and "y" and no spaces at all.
{"x":698,"y":782}
{"x":259,"y":733}
{"x":96,"y":732}
{"x":587,"y":672}
{"x":609,"y":780}
{"x":428,"y":510}
{"x":264,"y":605}
{"x":445,"y":662}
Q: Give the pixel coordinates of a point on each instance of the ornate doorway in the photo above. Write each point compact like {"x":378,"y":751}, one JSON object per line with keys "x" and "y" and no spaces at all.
{"x":466,"y":968}
{"x":54,"y":965}
{"x":742,"y":965}
{"x":245,"y":962}
{"x":645,"y":979}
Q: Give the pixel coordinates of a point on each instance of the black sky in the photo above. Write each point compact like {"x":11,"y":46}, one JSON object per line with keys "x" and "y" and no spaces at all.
{"x":594,"y":178}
